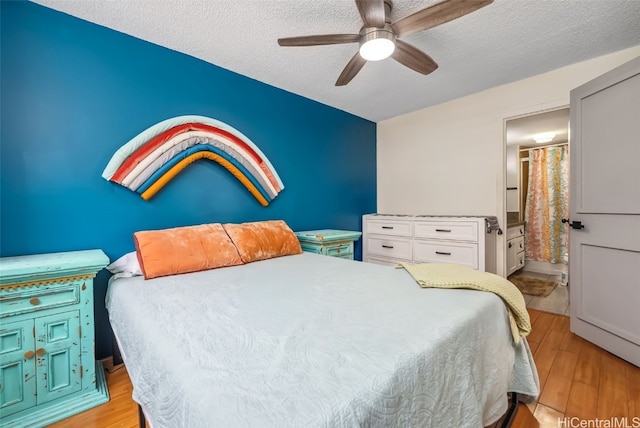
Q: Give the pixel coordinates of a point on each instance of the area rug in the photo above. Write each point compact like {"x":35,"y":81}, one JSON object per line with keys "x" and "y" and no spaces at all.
{"x":533,"y":286}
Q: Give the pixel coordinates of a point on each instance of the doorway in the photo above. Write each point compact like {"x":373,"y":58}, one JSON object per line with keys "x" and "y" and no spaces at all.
{"x":537,"y":147}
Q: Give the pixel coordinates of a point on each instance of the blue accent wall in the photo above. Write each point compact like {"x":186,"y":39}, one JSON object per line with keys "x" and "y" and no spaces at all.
{"x":73,"y":92}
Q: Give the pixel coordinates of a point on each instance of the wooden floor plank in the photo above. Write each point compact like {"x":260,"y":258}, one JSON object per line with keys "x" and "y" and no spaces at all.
{"x":583,"y":401}
{"x":540,"y":327}
{"x":564,"y":365}
{"x":121,"y":411}
{"x":555,"y":393}
{"x":533,"y":315}
{"x":612,"y":390}
{"x":571,"y":342}
{"x":549,"y":347}
{"x":525,"y":419}
{"x":547,"y":417}
{"x":560,"y":324}
{"x":633,"y":389}
{"x":588,"y":364}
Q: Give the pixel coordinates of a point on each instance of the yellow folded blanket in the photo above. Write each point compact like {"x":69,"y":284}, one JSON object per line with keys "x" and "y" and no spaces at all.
{"x":440,"y":275}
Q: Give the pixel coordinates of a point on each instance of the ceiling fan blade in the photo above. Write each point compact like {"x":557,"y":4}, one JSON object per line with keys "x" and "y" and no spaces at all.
{"x":413,"y":58}
{"x":372,"y":12}
{"x":325,"y":39}
{"x":437,"y":14}
{"x":353,"y":67}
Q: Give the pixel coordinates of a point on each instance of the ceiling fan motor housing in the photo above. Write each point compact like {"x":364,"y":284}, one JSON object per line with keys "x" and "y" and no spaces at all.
{"x":377,"y":43}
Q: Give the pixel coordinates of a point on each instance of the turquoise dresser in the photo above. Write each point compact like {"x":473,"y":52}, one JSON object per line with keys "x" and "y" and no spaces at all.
{"x":48,"y":370}
{"x":335,"y":243}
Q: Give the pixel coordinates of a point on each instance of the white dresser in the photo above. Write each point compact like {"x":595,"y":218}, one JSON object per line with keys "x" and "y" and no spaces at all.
{"x":515,"y":248}
{"x":390,"y":239}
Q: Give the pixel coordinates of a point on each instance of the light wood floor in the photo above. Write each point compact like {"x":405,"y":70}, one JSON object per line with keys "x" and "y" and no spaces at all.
{"x":578,"y":379}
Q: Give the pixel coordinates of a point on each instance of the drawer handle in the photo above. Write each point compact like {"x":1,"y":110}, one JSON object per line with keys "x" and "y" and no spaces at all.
{"x":442,"y":253}
{"x":510,"y":245}
{"x":29,"y":355}
{"x":443,"y":230}
{"x":40,"y":352}
{"x":34,"y":301}
{"x":520,"y":245}
{"x":387,"y":246}
{"x":387,"y":227}
{"x":521,"y":232}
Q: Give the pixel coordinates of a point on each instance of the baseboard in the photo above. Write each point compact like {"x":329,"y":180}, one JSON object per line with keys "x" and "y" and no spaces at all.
{"x":545,"y":268}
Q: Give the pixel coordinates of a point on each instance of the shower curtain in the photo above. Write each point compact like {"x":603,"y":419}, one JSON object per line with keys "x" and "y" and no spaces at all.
{"x":546,"y":237}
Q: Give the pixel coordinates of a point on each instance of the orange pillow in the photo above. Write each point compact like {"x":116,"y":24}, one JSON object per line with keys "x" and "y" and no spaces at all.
{"x":262,"y":240}
{"x":184,"y":249}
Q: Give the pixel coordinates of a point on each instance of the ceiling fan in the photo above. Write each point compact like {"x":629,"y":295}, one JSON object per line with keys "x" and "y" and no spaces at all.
{"x":379,"y":38}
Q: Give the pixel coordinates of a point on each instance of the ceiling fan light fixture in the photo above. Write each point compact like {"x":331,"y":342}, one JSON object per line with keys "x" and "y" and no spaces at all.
{"x":544,"y":137}
{"x":377,"y":43}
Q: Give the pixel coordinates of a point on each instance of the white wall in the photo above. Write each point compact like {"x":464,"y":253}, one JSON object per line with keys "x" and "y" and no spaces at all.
{"x":513,"y":175}
{"x":449,"y":159}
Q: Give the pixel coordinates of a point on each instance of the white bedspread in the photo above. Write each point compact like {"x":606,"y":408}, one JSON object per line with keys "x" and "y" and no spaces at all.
{"x":315,"y":341}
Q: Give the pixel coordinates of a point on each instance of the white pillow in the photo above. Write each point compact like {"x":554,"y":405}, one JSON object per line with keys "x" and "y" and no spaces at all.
{"x":126,"y":266}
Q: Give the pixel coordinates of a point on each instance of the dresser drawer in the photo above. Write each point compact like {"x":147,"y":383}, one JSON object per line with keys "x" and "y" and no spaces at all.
{"x":391,"y":247}
{"x":517,"y":243}
{"x":450,"y":231}
{"x":337,"y":249}
{"x":39,"y":299}
{"x":520,"y":260}
{"x":446,"y":252}
{"x":515,"y":231}
{"x":340,"y":249}
{"x":390,"y":227}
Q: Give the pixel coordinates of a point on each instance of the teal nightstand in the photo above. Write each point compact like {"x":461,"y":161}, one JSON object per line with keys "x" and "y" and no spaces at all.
{"x":335,"y":243}
{"x":48,"y":371}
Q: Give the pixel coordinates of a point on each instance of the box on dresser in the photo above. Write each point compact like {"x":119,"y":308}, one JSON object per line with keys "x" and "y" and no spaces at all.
{"x":390,"y":239}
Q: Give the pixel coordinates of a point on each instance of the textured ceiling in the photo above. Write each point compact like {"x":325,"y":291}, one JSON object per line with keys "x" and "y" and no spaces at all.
{"x":506,"y":41}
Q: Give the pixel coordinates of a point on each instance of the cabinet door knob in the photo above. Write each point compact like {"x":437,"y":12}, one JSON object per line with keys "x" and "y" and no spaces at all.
{"x":29,"y":355}
{"x":34,"y":301}
{"x":40,"y":352}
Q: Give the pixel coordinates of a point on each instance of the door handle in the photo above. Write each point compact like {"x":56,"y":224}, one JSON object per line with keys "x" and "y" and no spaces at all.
{"x":574,"y":224}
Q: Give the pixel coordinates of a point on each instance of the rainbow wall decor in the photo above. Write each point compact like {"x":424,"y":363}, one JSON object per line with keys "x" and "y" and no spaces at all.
{"x":151,"y":159}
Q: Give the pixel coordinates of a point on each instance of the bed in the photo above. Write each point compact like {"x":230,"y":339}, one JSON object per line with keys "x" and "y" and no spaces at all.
{"x":309,"y":340}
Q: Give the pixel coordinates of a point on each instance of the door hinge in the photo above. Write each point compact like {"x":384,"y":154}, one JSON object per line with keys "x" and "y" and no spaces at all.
{"x":33,"y":330}
{"x":80,"y":370}
{"x":80,"y":331}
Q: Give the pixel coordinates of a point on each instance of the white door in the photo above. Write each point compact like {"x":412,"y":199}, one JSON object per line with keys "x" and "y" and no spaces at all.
{"x":604,"y":256}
